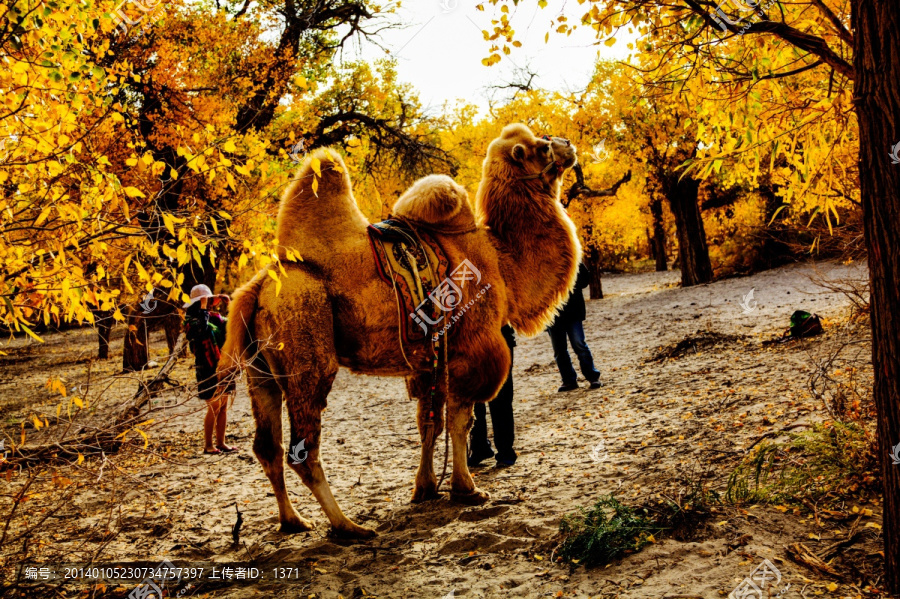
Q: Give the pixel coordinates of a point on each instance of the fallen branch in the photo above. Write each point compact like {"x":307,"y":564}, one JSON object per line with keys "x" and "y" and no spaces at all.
{"x":146,"y":391}
{"x":801,"y":554}
{"x":108,"y":440}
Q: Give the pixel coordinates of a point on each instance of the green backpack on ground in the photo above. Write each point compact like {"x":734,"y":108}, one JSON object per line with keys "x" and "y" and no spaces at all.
{"x":804,"y":324}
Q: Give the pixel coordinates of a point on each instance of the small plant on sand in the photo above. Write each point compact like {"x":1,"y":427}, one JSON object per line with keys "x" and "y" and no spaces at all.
{"x":832,"y":458}
{"x":605,"y":532}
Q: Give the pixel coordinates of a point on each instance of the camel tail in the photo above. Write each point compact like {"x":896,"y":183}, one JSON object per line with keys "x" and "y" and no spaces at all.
{"x":240,"y":330}
{"x":318,"y":210}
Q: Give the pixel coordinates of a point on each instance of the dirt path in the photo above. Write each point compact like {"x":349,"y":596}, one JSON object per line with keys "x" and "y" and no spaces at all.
{"x":653,"y":426}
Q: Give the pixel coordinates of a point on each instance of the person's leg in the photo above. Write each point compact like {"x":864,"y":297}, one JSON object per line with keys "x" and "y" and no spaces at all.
{"x":561,"y":355}
{"x":221,"y":421}
{"x":209,"y":424}
{"x":502,"y":420}
{"x":206,"y":392}
{"x":581,"y":349}
{"x":479,"y":446}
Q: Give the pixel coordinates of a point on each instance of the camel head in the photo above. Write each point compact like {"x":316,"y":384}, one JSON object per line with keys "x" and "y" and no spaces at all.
{"x":522,"y":175}
{"x":533,"y":158}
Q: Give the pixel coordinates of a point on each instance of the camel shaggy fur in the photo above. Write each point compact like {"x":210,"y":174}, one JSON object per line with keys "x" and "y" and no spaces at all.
{"x":333,"y":310}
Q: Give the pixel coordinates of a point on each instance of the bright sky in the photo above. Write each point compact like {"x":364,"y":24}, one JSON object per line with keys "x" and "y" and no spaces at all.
{"x":439,"y":50}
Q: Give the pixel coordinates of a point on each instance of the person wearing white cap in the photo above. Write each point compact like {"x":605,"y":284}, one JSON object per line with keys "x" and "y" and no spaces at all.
{"x":205,"y":331}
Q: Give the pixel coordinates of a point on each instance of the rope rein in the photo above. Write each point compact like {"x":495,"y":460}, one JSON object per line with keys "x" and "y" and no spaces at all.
{"x":436,"y":353}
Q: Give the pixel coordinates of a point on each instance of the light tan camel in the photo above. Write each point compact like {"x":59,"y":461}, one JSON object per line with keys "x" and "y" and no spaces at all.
{"x":333,"y":309}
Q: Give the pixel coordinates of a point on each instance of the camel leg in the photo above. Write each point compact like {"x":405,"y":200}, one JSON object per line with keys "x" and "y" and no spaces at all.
{"x":473,"y":378}
{"x":430,"y":430}
{"x":306,"y":427}
{"x":266,"y":397}
{"x":462,"y":486}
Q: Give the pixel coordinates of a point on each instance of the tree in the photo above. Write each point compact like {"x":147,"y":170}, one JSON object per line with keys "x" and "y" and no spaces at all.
{"x":877,"y":76}
{"x":745,"y":54}
{"x":658,"y":239}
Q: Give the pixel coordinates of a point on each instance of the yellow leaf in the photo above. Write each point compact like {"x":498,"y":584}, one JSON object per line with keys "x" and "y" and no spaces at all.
{"x":37,"y":423}
{"x":228,"y":146}
{"x":133,"y":192}
{"x":31,"y":333}
{"x":80,"y":458}
{"x":168,"y":222}
{"x":832,"y":587}
{"x":316,"y":165}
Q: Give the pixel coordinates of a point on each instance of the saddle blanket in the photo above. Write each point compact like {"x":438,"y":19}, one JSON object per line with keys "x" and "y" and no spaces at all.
{"x":416,"y":266}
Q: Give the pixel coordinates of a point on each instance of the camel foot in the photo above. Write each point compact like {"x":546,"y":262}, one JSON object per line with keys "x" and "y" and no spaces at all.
{"x":295,"y":526}
{"x":426,"y":493}
{"x":352,"y":531}
{"x":474,"y":497}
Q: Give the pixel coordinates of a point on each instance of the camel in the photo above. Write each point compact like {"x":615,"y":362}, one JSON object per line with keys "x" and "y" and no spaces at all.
{"x":334,"y":311}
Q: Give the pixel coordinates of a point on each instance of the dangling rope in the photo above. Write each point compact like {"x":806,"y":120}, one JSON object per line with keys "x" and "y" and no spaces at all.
{"x":436,"y":350}
{"x":446,"y":415}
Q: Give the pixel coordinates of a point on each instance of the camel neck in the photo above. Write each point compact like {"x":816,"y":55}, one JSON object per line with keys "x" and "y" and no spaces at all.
{"x":539,"y":255}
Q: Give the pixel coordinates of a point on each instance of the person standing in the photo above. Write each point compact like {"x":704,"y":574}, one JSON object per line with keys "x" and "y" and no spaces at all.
{"x":501,"y":420}
{"x":205,"y":331}
{"x":568,"y":324}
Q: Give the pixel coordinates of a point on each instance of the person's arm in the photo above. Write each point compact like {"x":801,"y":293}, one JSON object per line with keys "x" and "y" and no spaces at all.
{"x":584,"y":278}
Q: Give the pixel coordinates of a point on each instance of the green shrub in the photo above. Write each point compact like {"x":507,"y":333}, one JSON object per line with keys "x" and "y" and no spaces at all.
{"x":835,"y":458}
{"x":605,"y":532}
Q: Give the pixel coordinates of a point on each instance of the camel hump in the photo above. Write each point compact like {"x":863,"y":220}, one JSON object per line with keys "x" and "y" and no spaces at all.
{"x":436,"y":200}
{"x":318,"y":210}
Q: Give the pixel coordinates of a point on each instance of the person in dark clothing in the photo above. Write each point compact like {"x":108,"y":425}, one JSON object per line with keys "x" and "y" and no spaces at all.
{"x":205,"y":331}
{"x":501,"y":420}
{"x":568,"y":324}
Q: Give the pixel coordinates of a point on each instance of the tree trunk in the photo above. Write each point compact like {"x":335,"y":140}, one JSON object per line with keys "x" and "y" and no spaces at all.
{"x":136,"y":348}
{"x":104,"y":328}
{"x":877,"y":100}
{"x":693,"y":252}
{"x":658,"y":241}
{"x":592,"y":262}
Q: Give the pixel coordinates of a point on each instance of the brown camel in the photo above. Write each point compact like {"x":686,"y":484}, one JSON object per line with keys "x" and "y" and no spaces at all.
{"x":334,"y":311}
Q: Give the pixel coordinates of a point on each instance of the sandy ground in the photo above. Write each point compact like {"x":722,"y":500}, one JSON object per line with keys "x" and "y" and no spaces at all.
{"x":651,"y":427}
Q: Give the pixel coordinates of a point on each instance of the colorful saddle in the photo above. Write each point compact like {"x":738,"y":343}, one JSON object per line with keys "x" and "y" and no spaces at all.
{"x":415,"y":265}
